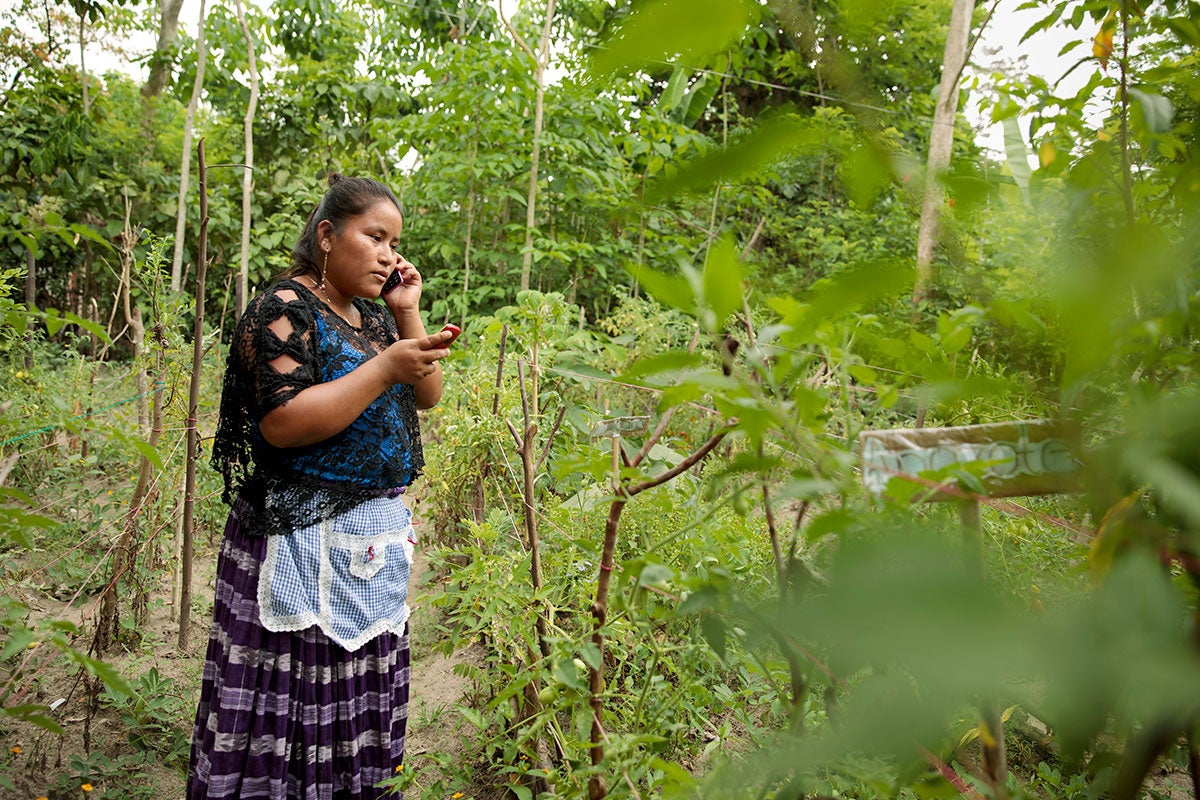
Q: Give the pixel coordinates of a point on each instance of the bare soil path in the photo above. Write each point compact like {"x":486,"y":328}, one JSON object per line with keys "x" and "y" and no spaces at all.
{"x":39,"y":763}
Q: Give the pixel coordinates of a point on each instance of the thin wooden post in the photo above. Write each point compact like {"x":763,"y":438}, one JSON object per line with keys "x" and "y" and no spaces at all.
{"x":972,"y":535}
{"x":991,"y":725}
{"x":623,"y":492}
{"x":193,"y":433}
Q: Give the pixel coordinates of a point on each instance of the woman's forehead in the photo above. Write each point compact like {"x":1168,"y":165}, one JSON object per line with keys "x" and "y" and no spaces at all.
{"x":385,"y":213}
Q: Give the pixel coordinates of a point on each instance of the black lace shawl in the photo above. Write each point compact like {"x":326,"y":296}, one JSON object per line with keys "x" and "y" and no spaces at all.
{"x":286,"y":488}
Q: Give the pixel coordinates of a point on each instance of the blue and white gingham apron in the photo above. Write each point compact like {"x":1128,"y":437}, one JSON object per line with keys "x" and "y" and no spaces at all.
{"x":347,"y":575}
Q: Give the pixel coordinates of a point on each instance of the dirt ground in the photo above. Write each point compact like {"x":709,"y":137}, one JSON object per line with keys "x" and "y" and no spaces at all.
{"x":435,"y":689}
{"x":39,"y":763}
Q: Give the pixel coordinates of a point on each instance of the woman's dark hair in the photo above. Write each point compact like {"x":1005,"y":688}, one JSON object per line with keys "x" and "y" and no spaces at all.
{"x":345,"y":198}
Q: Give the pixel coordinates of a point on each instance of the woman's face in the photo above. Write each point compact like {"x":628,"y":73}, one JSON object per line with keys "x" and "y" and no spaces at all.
{"x":363,"y":253}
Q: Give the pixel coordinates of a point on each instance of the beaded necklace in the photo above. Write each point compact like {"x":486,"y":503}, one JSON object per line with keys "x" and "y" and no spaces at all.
{"x":320,"y":287}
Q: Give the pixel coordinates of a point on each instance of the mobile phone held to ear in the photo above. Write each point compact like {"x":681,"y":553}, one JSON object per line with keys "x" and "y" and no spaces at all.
{"x":454,"y":329}
{"x":393,"y":280}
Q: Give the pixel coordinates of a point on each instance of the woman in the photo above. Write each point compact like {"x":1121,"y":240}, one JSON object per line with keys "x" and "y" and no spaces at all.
{"x":305,"y":687}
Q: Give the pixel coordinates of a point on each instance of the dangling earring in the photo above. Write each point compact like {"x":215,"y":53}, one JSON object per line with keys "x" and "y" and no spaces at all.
{"x":324,"y":264}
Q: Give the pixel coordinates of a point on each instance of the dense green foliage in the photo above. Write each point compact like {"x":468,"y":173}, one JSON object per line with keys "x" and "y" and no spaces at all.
{"x":723,"y":243}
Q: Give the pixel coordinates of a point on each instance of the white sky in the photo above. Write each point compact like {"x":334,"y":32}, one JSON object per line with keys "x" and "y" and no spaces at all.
{"x":1008,"y":25}
{"x":1039,"y":55}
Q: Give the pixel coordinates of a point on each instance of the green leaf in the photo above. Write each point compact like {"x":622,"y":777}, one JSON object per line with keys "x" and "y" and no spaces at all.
{"x":142,"y":446}
{"x":655,"y":575}
{"x":474,"y":717}
{"x":678,"y":777}
{"x":722,"y":280}
{"x":90,"y":234}
{"x":578,"y":369}
{"x":34,"y":714}
{"x":1157,"y":111}
{"x":65,"y":235}
{"x":968,"y":481}
{"x":686,"y":392}
{"x":149,"y":452}
{"x":590,"y":655}
{"x":18,"y":640}
{"x":713,"y":630}
{"x":567,"y":673}
{"x":672,"y":290}
{"x":1045,"y":23}
{"x":16,"y":494}
{"x":1017,"y":155}
{"x":1186,"y":29}
{"x":863,"y":374}
{"x":956,"y":339}
{"x":114,"y":682}
{"x":837,"y":523}
{"x":888,"y":396}
{"x":18,"y":320}
{"x":30,"y":243}
{"x":1176,"y":484}
{"x":661,"y":452}
{"x":16,"y":523}
{"x":53,"y":321}
{"x":848,"y":291}
{"x":88,"y":325}
{"x":673,"y":94}
{"x":698,"y":97}
{"x":922,"y":343}
{"x":672,"y":362}
{"x":866,"y":171}
{"x":706,"y":597}
{"x":750,"y":155}
{"x":1009,"y":312}
{"x":665,"y":30}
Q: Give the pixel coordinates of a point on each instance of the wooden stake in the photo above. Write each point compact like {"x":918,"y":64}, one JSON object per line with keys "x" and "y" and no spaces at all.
{"x":193,"y":433}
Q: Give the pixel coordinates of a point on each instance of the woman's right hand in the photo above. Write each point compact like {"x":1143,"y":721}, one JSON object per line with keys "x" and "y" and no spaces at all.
{"x":324,"y":409}
{"x":413,"y":360}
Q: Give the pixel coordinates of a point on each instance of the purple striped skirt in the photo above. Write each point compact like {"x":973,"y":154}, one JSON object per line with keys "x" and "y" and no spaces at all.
{"x":293,"y":715}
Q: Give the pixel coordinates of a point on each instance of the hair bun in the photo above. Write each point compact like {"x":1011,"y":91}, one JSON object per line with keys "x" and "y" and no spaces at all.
{"x":334,"y":177}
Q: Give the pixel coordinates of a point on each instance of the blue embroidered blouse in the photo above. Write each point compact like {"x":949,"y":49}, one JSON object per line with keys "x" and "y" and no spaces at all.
{"x":290,"y":488}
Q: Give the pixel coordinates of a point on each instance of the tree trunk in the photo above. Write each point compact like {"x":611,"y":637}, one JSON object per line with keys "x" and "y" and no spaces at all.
{"x":160,"y":63}
{"x":87,"y":106}
{"x":467,"y":241}
{"x":622,"y":493}
{"x":243,"y":280}
{"x":941,"y":144}
{"x":526,"y":446}
{"x":541,"y":60}
{"x":597,"y":788}
{"x":30,"y":299}
{"x":531,"y":200}
{"x":193,"y":433}
{"x":149,"y":425}
{"x":186,"y":161}
{"x":30,"y":278}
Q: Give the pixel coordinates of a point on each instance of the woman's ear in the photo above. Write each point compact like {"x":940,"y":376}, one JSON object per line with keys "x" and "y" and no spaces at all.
{"x":324,"y":234}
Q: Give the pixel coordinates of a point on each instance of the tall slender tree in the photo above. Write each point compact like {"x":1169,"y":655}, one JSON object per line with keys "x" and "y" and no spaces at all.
{"x":243,"y":278}
{"x":941,"y":143}
{"x":186,"y":160}
{"x":160,"y":63}
{"x":541,"y":60}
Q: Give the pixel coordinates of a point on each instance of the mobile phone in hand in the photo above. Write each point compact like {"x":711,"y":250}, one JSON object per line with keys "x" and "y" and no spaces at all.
{"x":454,"y":329}
{"x":393,"y":280}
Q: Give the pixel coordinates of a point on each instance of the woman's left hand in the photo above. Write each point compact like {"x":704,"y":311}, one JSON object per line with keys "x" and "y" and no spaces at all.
{"x":407,"y":296}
